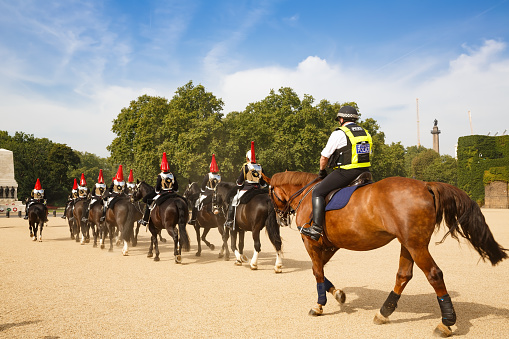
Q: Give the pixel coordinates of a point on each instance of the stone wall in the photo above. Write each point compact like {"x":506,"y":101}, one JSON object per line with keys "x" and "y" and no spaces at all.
{"x":496,"y":195}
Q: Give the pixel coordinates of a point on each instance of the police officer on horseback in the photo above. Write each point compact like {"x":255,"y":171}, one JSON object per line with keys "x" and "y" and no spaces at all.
{"x":166,"y":183}
{"x":348,"y":153}
{"x":37,"y":196}
{"x":208,"y":187}
{"x":250,"y":177}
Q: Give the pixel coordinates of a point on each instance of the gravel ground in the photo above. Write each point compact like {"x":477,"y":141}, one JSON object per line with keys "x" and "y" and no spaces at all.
{"x":58,"y":288}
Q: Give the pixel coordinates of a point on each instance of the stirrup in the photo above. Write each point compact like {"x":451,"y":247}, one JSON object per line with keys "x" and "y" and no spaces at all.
{"x":192,"y":222}
{"x":228,"y":223}
{"x":25,"y":217}
{"x":311,"y":232}
{"x":101,"y":219}
{"x":143,"y":222}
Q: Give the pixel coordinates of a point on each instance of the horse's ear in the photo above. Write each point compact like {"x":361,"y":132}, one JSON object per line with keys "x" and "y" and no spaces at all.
{"x":266,"y":178}
{"x":137,"y":181}
{"x":189,"y":181}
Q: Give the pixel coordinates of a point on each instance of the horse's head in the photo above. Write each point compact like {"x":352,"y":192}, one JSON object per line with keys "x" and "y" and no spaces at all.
{"x":191,"y":193}
{"x":140,"y":190}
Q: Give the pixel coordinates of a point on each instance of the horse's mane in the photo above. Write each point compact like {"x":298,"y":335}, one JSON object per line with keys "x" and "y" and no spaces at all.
{"x":292,"y":178}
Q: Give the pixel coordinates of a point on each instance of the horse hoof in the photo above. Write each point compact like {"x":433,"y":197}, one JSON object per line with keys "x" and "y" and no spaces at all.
{"x":156,"y":259}
{"x":102,"y":247}
{"x":31,"y":235}
{"x":379,"y":319}
{"x":125,"y":253}
{"x":150,"y":255}
{"x":316,"y":311}
{"x":243,"y":258}
{"x":442,"y":331}
{"x":212,"y":247}
{"x":238,"y":263}
{"x":163,"y":240}
{"x":34,"y":238}
{"x":87,"y":241}
{"x":94,"y":246}
{"x":220,"y":255}
{"x":178,"y":259}
{"x":198,"y":254}
{"x":340,"y":296}
{"x":110,"y":250}
{"x":278,"y":269}
{"x":40,"y":239}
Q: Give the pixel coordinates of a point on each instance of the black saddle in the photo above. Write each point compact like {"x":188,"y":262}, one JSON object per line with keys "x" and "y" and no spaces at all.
{"x":363,"y":179}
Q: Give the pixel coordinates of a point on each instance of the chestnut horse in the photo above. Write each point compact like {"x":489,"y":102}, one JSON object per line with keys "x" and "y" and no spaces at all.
{"x":37,"y":216}
{"x":407,"y":209}
{"x":172,"y":212}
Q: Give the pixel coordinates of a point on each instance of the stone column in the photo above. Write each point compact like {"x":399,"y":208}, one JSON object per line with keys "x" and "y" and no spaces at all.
{"x":435,"y":131}
{"x":8,"y":200}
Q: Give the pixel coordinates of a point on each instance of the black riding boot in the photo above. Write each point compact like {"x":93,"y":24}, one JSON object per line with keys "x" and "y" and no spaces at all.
{"x":104,"y":213}
{"x":229,"y":217}
{"x":316,"y":229}
{"x":26,"y":212}
{"x":146,"y":215}
{"x":193,"y":217}
{"x":65,"y":210}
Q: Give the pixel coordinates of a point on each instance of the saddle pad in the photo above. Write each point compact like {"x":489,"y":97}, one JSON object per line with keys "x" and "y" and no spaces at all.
{"x":114,"y":201}
{"x":251,"y":194}
{"x":341,"y":198}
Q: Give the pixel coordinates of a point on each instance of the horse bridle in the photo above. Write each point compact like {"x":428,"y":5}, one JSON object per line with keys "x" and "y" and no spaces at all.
{"x":285,"y":214}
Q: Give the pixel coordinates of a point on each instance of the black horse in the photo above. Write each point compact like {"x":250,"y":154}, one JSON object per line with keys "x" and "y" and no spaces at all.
{"x":81,"y":226}
{"x":206,"y":218}
{"x":253,"y":216}
{"x":169,"y":213}
{"x":71,"y":220}
{"x":37,"y":216}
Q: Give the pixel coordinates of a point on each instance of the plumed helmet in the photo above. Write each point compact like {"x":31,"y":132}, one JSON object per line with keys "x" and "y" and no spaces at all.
{"x":75,"y":186}
{"x":131,"y":177}
{"x":83,"y":181}
{"x":37,"y":186}
{"x":100,"y":179}
{"x":347,"y":112}
{"x":213,"y":165}
{"x":164,"y":164}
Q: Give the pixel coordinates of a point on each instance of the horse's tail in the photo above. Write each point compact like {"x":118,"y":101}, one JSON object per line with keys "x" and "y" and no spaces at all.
{"x":272,"y":226}
{"x":458,"y":209}
{"x":183,"y":211}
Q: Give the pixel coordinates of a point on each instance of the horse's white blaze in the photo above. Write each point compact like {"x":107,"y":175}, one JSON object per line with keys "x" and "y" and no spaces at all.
{"x":254,"y":260}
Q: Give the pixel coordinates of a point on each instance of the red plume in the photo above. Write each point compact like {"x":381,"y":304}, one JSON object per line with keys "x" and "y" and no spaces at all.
{"x":120,"y":174}
{"x":213,"y":165}
{"x":164,"y":164}
{"x":100,"y":179}
{"x":82,"y":181}
{"x":253,"y":159}
{"x":131,"y":178}
{"x":37,"y":185}
{"x":75,"y":186}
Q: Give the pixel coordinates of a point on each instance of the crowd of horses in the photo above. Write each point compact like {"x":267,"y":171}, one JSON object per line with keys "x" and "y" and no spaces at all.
{"x":172,"y":214}
{"x":394,"y":208}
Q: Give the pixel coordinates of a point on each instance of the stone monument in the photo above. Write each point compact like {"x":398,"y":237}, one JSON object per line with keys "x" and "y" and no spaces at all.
{"x":435,"y":131}
{"x":8,"y":185}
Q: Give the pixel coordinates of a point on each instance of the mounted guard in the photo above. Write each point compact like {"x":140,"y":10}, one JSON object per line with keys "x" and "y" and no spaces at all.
{"x":115,"y":190}
{"x":96,"y":195}
{"x":166,"y":183}
{"x":250,"y":178}
{"x":37,"y":196}
{"x":71,"y":199}
{"x":130,"y":184}
{"x":208,"y":189}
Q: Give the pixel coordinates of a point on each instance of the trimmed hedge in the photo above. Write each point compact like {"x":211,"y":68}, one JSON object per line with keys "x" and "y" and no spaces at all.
{"x":478,"y":154}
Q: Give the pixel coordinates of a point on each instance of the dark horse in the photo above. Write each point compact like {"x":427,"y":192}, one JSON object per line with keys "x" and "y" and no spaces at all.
{"x":253,"y":216}
{"x":171,"y":212}
{"x":99,"y":228}
{"x":81,"y":226}
{"x":407,"y":209}
{"x":71,"y":220}
{"x":37,"y":216}
{"x":121,"y":215}
{"x":206,"y":219}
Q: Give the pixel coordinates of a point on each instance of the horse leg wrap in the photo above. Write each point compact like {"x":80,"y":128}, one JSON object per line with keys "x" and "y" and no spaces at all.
{"x":328,"y":284}
{"x":448,"y":314}
{"x":322,"y":297}
{"x":390,"y":304}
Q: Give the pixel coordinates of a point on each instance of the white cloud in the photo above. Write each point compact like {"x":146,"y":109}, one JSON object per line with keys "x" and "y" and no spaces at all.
{"x":477,"y":81}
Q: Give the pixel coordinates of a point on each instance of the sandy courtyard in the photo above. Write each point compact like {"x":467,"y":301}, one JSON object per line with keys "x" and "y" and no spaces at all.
{"x":61,"y":289}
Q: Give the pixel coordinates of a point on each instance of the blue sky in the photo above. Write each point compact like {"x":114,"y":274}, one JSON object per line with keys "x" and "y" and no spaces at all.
{"x":67,"y":68}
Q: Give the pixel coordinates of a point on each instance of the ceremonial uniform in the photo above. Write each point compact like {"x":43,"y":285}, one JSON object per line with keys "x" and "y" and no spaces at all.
{"x":37,"y":196}
{"x":96,"y":195}
{"x":208,"y":188}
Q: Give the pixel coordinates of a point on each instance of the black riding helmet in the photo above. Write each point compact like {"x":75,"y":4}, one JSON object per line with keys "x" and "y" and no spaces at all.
{"x":347,"y":112}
